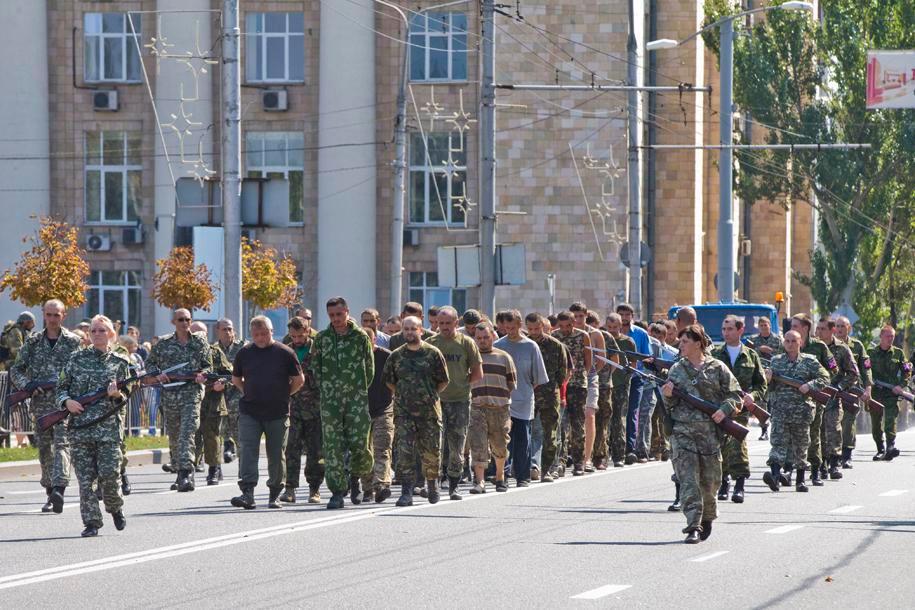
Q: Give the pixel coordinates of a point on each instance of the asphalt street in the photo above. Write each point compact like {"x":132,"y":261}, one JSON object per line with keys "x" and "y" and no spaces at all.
{"x":603,"y":539}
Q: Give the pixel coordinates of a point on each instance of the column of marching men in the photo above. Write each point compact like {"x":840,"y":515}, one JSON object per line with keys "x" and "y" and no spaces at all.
{"x":465,"y":401}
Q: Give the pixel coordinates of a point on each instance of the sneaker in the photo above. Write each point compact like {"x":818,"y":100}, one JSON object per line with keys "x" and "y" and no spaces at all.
{"x":314,"y":495}
{"x":631,"y":459}
{"x":577,"y":471}
{"x":547,"y":478}
{"x":523,"y":483}
{"x":535,"y":473}
{"x":617,"y":464}
{"x":589,"y":467}
{"x":501,"y":486}
{"x":478,"y":488}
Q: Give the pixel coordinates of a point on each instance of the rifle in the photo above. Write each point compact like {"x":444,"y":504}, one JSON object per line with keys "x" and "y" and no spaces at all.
{"x":42,"y":385}
{"x":657,"y":364}
{"x":761,"y":415}
{"x":728,"y":425}
{"x":889,"y":386}
{"x":45,"y":422}
{"x":819,"y":396}
{"x":211,"y":378}
{"x":851,"y":397}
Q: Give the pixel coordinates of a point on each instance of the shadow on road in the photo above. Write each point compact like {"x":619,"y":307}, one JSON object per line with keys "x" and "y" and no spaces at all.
{"x":618,"y":543}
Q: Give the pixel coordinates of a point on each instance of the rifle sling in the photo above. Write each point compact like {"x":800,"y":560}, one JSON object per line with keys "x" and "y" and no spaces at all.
{"x":98,"y":419}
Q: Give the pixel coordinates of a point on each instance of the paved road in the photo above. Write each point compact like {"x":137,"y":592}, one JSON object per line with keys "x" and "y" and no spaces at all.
{"x":604,"y":539}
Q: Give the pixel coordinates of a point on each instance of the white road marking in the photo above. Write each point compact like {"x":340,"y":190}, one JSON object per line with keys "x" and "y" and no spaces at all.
{"x":784,"y":529}
{"x":22,"y":493}
{"x":850,"y":508}
{"x":601,"y":592}
{"x":893,"y":492}
{"x":709,"y":556}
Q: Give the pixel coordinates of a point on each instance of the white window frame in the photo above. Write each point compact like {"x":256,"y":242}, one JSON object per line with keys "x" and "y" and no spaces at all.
{"x":92,"y":28}
{"x":427,"y":26}
{"x":293,"y":141}
{"x":130,"y":281}
{"x":456,"y":143}
{"x":428,"y":291}
{"x":125,"y":168}
{"x":259,"y":39}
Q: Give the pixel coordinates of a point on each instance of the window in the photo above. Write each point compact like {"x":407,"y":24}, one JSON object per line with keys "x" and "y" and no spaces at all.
{"x":116,"y":294}
{"x":438,"y":181}
{"x":438,"y":47}
{"x":275,"y":47}
{"x":113,"y":176}
{"x":111,"y":48}
{"x":424,"y":290}
{"x":279,"y":155}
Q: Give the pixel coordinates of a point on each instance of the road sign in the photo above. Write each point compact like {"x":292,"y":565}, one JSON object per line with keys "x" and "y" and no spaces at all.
{"x":644,"y":255}
{"x":890,"y":79}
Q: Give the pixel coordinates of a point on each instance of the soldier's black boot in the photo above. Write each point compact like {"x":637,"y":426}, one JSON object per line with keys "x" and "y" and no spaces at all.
{"x":336,"y":500}
{"x":692,"y":536}
{"x":48,"y":506}
{"x":57,"y":499}
{"x":246,"y":499}
{"x":772,"y":478}
{"x":824,"y":472}
{"x":125,"y":485}
{"x":799,"y":486}
{"x":432,"y":489}
{"x":815,"y":479}
{"x":355,"y":493}
{"x":274,"y":494}
{"x":120,"y":521}
{"x":891,"y":452}
{"x":706,"y":530}
{"x":676,"y":506}
{"x":453,"y":483}
{"x":288,"y":495}
{"x":737,"y":496}
{"x":785,"y":477}
{"x":406,"y":493}
{"x":89,"y":532}
{"x":186,"y":482}
{"x":834,"y":472}
{"x":881,"y":451}
{"x":213,"y":476}
{"x":846,"y":458}
{"x":725,"y":488}
{"x":174,"y":486}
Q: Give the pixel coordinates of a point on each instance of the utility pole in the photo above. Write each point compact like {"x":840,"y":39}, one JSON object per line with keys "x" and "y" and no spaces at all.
{"x":488,"y":163}
{"x":400,"y":170}
{"x":634,"y":169}
{"x":726,"y":166}
{"x":231,"y":163}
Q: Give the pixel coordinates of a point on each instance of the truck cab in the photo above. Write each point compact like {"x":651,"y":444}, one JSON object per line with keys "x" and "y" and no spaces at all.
{"x":711,"y":315}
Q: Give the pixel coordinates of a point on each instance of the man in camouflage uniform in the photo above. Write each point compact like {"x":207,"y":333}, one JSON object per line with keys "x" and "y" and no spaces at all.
{"x":844,"y":377}
{"x":14,"y":336}
{"x":850,"y":419}
{"x":41,"y":358}
{"x":746,"y":366}
{"x":95,"y":431}
{"x":577,"y":343}
{"x":802,"y":324}
{"x":888,"y":364}
{"x":694,"y":438}
{"x":343,"y":365}
{"x":181,"y":401}
{"x":213,"y":413}
{"x":766,"y":344}
{"x":304,"y":421}
{"x":792,"y":411}
{"x":546,"y":396}
{"x":416,"y":373}
{"x":619,"y":400}
{"x":229,"y":344}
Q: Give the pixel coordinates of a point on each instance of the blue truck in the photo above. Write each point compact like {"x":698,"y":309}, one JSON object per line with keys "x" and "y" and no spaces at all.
{"x":712,"y":314}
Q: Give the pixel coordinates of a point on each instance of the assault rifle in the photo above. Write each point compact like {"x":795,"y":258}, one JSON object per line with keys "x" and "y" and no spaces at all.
{"x":211,"y":378}
{"x":728,"y":425}
{"x":889,"y":386}
{"x":761,"y":415}
{"x":848,"y":397}
{"x":657,"y":364}
{"x":40,"y":385}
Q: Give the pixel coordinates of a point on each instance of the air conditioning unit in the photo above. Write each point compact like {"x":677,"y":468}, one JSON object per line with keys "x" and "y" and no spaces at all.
{"x":105,"y":100}
{"x":274,"y":100}
{"x":411,"y":237}
{"x":132,"y":236}
{"x":98,"y":243}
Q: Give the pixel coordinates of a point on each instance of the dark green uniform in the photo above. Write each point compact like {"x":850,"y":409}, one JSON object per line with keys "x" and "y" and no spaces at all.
{"x":849,"y":419}
{"x":546,"y":397}
{"x":232,"y":397}
{"x":619,"y":404}
{"x":888,"y":366}
{"x":208,"y":441}
{"x":844,"y":376}
{"x":748,"y":370}
{"x":820,"y":351}
{"x":305,"y":426}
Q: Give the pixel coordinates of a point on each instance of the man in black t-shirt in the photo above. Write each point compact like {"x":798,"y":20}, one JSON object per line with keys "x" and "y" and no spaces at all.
{"x":267,"y":373}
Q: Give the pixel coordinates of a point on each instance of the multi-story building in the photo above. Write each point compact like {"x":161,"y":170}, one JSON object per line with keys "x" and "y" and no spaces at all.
{"x":112,"y":113}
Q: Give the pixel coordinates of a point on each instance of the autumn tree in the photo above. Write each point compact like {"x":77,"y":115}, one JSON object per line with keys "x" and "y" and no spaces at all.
{"x":179,"y":283}
{"x":53,"y":268}
{"x":268,"y":279}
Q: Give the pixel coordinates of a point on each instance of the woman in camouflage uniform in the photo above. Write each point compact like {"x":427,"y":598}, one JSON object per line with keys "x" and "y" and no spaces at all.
{"x":695,"y":439}
{"x":95,"y":439}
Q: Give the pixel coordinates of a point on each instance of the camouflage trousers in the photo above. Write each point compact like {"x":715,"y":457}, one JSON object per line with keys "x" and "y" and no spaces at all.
{"x":619,"y":405}
{"x":101,"y":461}
{"x":208,"y":439}
{"x":304,"y":437}
{"x":734,"y":456}
{"x":546,"y":409}
{"x":575,"y":405}
{"x":602,"y":424}
{"x":814,"y":452}
{"x":345,"y":424}
{"x":418,"y":435}
{"x":230,"y":432}
{"x":885,"y":423}
{"x":659,"y":442}
{"x":849,"y":429}
{"x":182,"y":418}
{"x":53,"y":455}
{"x":789,"y":441}
{"x":382,"y":442}
{"x":455,"y":421}
{"x":831,"y":432}
{"x":699,"y":476}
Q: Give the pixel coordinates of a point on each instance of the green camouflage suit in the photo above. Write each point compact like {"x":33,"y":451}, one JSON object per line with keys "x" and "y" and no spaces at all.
{"x":695,"y":439}
{"x":213,"y":411}
{"x":845,"y":376}
{"x":416,"y":375}
{"x":14,"y":339}
{"x":889,"y":366}
{"x":576,"y":393}
{"x":96,"y":448}
{"x":849,"y":419}
{"x":181,"y":404}
{"x":792,"y":412}
{"x":38,"y":360}
{"x":748,"y":370}
{"x":619,"y":405}
{"x":344,"y":366}
{"x":305,"y":425}
{"x":820,"y":351}
{"x":546,"y":396}
{"x":232,"y":396}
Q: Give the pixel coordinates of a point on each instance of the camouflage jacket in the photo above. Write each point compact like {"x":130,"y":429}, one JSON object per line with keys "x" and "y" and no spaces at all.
{"x":889,"y":366}
{"x":627,"y":344}
{"x":343,"y":365}
{"x":13,"y":339}
{"x":862,"y":360}
{"x":773,"y":341}
{"x":38,"y":360}
{"x":555,"y":360}
{"x":232,"y":395}
{"x":820,"y":351}
{"x":196,"y":352}
{"x":605,"y":375}
{"x":575,"y":344}
{"x":846,"y":374}
{"x":747,"y":368}
{"x":306,"y":402}
{"x":397,"y":339}
{"x":787,"y":402}
{"x":215,"y":402}
{"x":89,"y":370}
{"x":416,"y":376}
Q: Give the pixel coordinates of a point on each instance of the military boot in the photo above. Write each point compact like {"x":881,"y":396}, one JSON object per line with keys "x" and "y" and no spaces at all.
{"x":785,"y":476}
{"x":880,"y":452}
{"x":737,"y":496}
{"x":406,"y":493}
{"x":174,"y":486}
{"x":432,"y":487}
{"x":799,"y":486}
{"x":89,"y":532}
{"x":246,"y":499}
{"x":120,"y":521}
{"x":891,"y":452}
{"x":453,"y":492}
{"x":274,"y":495}
{"x":57,"y":499}
{"x":382,"y":493}
{"x":834,"y":472}
{"x":815,"y":479}
{"x":288,"y":495}
{"x":126,"y":488}
{"x":725,"y":488}
{"x":187,"y":482}
{"x":706,"y":530}
{"x":48,"y":506}
{"x":336,"y":500}
{"x":355,"y":494}
{"x":213,"y":476}
{"x":773,"y":477}
{"x":676,"y":506}
{"x":846,"y":458}
{"x":824,"y":472}
{"x":693,"y":536}
{"x":314,"y":494}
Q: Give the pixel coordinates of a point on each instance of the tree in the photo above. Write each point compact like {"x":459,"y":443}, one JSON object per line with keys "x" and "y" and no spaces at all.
{"x":53,"y":268}
{"x":178,"y":283}
{"x":268,"y":280}
{"x":804,"y":82}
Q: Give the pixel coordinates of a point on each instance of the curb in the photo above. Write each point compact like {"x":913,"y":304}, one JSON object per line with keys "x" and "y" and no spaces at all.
{"x":155,"y":453}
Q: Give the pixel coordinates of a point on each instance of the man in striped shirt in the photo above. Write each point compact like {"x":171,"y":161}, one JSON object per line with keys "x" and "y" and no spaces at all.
{"x":490,"y":420}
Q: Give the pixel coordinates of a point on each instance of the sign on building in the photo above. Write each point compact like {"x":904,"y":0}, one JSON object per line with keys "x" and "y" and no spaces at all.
{"x":459,"y":266}
{"x":890,"y":79}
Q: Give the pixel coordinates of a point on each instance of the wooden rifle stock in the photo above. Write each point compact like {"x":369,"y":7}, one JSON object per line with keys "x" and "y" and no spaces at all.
{"x":761,"y":415}
{"x":45,"y":422}
{"x":889,"y":386}
{"x":14,"y":398}
{"x":819,"y":396}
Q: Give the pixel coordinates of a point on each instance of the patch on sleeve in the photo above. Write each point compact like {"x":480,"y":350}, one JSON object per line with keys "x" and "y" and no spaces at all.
{"x":831,"y":364}
{"x":867,"y":363}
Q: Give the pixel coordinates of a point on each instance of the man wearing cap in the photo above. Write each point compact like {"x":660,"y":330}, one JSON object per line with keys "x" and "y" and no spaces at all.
{"x":14,"y":336}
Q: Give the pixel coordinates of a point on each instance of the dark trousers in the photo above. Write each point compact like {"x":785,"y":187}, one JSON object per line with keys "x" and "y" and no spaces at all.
{"x":249,"y":432}
{"x":632,"y":416}
{"x":519,"y":448}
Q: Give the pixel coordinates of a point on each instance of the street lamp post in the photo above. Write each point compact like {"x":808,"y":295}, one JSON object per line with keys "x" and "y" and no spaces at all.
{"x":726,"y":245}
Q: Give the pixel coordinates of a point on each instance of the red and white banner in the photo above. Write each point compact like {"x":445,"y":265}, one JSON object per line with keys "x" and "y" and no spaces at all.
{"x":890,"y":79}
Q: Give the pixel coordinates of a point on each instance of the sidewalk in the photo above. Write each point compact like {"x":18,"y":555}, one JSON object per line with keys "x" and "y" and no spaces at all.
{"x":24,"y":468}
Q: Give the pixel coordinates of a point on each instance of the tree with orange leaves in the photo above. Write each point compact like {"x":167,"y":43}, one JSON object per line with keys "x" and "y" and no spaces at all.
{"x":268,"y":280}
{"x":178,"y":283}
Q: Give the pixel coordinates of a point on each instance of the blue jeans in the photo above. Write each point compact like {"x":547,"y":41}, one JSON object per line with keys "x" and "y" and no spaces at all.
{"x":632,"y":416}
{"x":519,"y":449}
{"x":536,"y":441}
{"x":646,"y":409}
